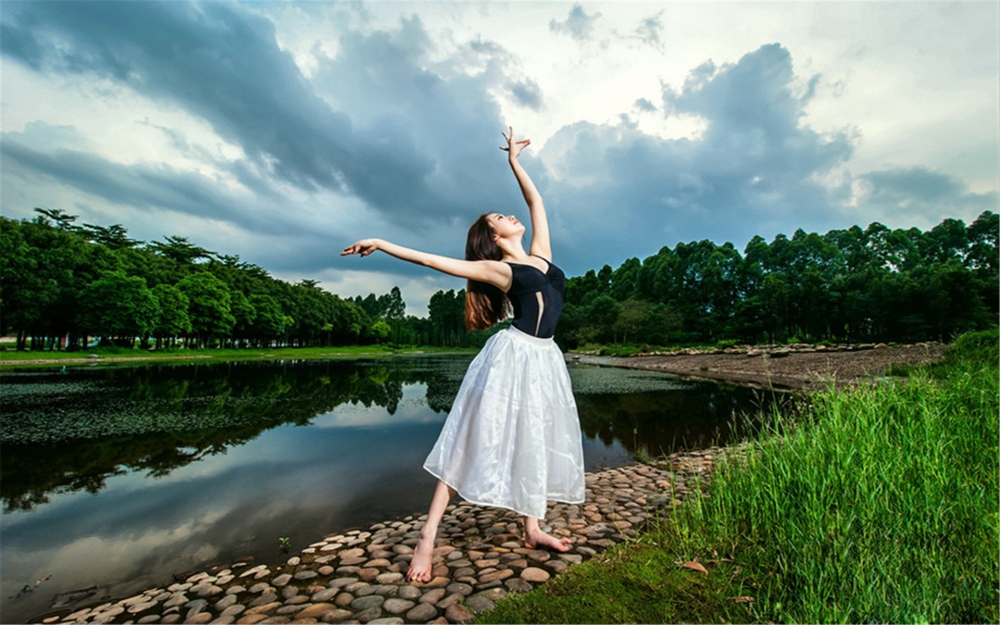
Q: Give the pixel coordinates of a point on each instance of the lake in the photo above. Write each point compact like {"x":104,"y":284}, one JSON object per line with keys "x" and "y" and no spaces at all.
{"x":115,"y":478}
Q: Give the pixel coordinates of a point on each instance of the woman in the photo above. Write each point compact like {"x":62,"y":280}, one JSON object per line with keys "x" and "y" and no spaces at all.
{"x":512,"y":437}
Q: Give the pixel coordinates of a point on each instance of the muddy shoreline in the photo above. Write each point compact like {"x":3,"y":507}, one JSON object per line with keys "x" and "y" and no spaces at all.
{"x":805,"y":369}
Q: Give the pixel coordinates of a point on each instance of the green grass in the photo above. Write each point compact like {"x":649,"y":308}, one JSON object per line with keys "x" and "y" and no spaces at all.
{"x":17,"y":359}
{"x":878,"y":504}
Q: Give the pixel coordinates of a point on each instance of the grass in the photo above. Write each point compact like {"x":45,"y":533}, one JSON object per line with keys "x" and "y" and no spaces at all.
{"x":877,"y":504}
{"x":12,"y":359}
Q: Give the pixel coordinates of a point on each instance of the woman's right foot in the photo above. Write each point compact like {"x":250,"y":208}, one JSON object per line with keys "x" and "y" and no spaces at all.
{"x":420,"y":565}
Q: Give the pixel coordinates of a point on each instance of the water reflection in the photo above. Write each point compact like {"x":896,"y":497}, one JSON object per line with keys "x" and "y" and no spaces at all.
{"x":121,"y":477}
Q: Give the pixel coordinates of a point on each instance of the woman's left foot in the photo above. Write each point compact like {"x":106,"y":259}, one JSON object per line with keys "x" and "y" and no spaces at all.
{"x":542,"y":540}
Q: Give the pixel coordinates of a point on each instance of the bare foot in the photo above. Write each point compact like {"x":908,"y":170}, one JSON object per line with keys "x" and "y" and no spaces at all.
{"x":535,"y":540}
{"x":420,"y":565}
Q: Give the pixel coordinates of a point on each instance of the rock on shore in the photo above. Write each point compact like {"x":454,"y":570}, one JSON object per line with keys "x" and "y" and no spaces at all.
{"x":358,"y":576}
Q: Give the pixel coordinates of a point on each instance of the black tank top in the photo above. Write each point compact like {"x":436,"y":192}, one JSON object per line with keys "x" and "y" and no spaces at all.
{"x":537,"y":298}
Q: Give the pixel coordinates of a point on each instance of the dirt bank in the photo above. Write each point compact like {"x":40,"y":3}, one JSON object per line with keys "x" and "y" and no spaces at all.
{"x":790,"y":370}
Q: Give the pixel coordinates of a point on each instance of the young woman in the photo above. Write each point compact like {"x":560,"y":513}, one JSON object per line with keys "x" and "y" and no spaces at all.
{"x":512,"y":437}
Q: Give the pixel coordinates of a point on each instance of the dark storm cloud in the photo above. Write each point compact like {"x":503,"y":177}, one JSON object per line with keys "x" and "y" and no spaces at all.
{"x":749,"y":172}
{"x":138,"y":186}
{"x":221,"y":62}
{"x":917,"y":191}
{"x":577,"y":24}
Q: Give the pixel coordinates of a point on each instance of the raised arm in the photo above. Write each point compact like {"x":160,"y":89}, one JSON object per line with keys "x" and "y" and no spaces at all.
{"x":540,"y":244}
{"x":491,"y":271}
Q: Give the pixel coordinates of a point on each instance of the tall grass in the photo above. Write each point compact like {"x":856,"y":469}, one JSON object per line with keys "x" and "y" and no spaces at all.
{"x":879,"y":504}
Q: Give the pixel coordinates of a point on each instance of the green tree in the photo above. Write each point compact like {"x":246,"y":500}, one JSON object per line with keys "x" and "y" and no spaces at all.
{"x":173,"y":320}
{"x":209,"y":306}
{"x":120,"y":307}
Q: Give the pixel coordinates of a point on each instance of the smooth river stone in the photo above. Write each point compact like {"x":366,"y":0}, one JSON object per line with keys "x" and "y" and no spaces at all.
{"x":225,"y":602}
{"x":397,"y":606}
{"x":389,"y":578}
{"x":422,"y":613}
{"x":337,"y":615}
{"x":325,"y":595}
{"x":366,"y":603}
{"x":344,"y":599}
{"x":368,"y":615}
{"x":460,"y":588}
{"x":433,"y":596}
{"x":316,"y":610}
{"x":458,"y":614}
{"x":479,"y":604}
{"x":409,"y":592}
{"x":281,"y":580}
{"x":534,"y":574}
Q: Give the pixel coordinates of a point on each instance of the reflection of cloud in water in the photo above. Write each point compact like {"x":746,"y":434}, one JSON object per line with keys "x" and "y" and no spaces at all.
{"x":412,"y":408}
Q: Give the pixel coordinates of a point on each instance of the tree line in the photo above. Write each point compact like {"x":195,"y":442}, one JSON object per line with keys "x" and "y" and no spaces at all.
{"x":853,"y":285}
{"x":63,"y":285}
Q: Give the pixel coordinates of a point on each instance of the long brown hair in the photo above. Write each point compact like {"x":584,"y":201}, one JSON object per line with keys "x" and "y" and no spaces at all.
{"x":485,"y":304}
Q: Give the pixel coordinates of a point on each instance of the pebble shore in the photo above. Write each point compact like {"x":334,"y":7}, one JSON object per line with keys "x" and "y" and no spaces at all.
{"x":359,"y":576}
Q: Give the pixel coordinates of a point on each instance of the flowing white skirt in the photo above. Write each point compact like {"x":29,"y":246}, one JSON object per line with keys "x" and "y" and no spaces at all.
{"x":512,"y":438}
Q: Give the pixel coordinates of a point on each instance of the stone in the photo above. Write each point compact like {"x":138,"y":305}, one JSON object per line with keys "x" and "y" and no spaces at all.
{"x":297,"y":600}
{"x":389,"y":578}
{"x":250,"y":619}
{"x":325,"y":595}
{"x":458,"y":614}
{"x":304,"y":575}
{"x":499,"y":575}
{"x":281,"y":580}
{"x":397,"y":606}
{"x":369,"y":574}
{"x":450,"y":600}
{"x":460,"y":588}
{"x":200,"y":619}
{"x":235,"y":590}
{"x":433,"y":596}
{"x":516,"y":584}
{"x":170,"y":619}
{"x":388,"y":620}
{"x":232,"y":610}
{"x":410,"y":593}
{"x":340,"y":582}
{"x":325,"y":571}
{"x":368,"y":615}
{"x":225,"y":602}
{"x":152,"y":618}
{"x":344,"y":599}
{"x":265,"y":608}
{"x":534,"y":574}
{"x":336,"y":616}
{"x":479,"y":604}
{"x":422,"y":613}
{"x":366,"y":603}
{"x":267,"y":597}
{"x":294,"y":561}
{"x":316,"y":610}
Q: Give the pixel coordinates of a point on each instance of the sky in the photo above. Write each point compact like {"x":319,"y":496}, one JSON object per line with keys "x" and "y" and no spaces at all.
{"x":282,"y":132}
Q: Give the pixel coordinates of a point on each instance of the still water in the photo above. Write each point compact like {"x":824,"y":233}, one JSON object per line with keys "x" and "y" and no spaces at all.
{"x":114,"y":478}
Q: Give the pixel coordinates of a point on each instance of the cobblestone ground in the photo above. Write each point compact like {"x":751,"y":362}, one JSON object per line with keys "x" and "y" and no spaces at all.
{"x":359,"y":576}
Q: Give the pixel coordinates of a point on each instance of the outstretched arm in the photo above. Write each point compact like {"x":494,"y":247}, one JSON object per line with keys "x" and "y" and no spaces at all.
{"x":491,"y":271}
{"x":540,"y":244}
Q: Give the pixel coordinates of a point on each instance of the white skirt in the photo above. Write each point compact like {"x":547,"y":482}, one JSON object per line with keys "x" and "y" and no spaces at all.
{"x":512,"y":438}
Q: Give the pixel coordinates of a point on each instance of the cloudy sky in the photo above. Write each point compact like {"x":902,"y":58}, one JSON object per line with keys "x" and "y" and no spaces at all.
{"x":284,"y":131}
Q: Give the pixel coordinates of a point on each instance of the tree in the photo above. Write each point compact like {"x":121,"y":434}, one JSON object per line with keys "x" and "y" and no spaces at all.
{"x":173,"y":320}
{"x":118,"y":306}
{"x":209,"y":306}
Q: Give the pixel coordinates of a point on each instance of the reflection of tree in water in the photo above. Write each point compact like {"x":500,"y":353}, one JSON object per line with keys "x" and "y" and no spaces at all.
{"x":159,"y":418}
{"x":665,"y":421}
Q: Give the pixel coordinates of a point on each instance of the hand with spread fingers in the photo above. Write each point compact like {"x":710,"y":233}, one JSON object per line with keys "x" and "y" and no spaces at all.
{"x":363,"y":247}
{"x":514,"y":147}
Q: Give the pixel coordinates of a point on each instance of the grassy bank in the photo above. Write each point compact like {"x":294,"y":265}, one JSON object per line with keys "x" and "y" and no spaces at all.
{"x":10,"y":359}
{"x":878,"y":504}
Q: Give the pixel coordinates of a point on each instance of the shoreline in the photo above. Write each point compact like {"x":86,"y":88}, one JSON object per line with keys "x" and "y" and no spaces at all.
{"x":788,"y":370}
{"x":358,"y":576}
